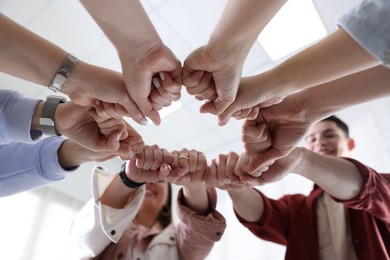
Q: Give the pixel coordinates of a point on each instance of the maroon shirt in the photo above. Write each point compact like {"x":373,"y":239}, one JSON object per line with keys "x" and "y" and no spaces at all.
{"x":292,"y":220}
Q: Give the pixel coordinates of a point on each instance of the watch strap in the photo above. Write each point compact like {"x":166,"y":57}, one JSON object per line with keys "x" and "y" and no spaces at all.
{"x":63,"y":73}
{"x":48,"y":112}
{"x":126,"y":181}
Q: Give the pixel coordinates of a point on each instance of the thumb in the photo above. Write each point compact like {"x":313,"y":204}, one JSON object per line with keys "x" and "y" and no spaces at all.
{"x":264,"y":159}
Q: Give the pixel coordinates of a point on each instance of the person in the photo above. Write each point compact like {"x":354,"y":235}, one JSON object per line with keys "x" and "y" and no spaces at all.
{"x":52,"y":158}
{"x":347,"y":214}
{"x":131,"y":219}
{"x":361,"y":39}
{"x":85,"y":84}
{"x":283,"y":125}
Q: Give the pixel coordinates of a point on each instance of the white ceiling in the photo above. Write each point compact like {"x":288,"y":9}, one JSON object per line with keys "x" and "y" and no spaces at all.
{"x":183,"y":25}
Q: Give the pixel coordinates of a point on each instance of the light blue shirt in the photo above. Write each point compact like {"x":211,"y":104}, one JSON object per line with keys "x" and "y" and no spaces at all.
{"x":368,"y":23}
{"x":24,"y":164}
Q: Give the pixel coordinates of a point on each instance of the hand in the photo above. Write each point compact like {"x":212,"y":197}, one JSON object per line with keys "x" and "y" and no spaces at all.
{"x":188,"y":171}
{"x":286,"y":123}
{"x":150,"y":166}
{"x":88,"y":84}
{"x":257,"y":91}
{"x":141,"y":70}
{"x":164,"y":92}
{"x":221,"y":173}
{"x":212,"y":77}
{"x":75,"y":122}
{"x":71,"y":154}
{"x":276,"y":171}
{"x":130,"y":141}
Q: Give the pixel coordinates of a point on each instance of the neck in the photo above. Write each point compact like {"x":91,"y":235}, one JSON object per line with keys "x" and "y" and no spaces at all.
{"x":146,"y":218}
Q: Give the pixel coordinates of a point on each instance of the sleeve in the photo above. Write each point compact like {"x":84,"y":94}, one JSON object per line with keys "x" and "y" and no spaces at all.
{"x":196,"y":234}
{"x":27,"y":166}
{"x":15,"y":116}
{"x":368,"y":23}
{"x":274,"y":224}
{"x":97,"y":225}
{"x":374,"y":196}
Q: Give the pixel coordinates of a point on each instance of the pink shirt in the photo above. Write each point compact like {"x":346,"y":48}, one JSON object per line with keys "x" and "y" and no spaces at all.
{"x":107,"y":233}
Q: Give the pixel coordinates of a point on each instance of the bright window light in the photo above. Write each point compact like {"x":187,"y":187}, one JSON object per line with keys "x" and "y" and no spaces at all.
{"x":295,"y":26}
{"x":172,"y":108}
{"x":176,"y":105}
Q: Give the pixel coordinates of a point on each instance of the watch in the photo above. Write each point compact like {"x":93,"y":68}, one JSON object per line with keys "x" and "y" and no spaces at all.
{"x":126,"y":181}
{"x":63,"y":73}
{"x":47,"y":117}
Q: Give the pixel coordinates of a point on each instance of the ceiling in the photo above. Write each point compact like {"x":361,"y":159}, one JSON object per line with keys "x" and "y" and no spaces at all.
{"x":183,"y":25}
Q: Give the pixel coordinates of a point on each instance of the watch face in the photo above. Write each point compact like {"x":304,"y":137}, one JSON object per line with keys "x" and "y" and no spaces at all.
{"x":46,"y":121}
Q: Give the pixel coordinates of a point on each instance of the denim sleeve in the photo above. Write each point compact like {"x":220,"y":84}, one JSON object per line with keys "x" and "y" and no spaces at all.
{"x":368,"y":23}
{"x":27,"y":166}
{"x":15,"y":116}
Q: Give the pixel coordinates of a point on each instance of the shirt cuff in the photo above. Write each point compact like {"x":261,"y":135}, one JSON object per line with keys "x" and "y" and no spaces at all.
{"x":16,"y":117}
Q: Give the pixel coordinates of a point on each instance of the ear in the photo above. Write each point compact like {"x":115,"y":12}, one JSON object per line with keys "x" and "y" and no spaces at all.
{"x":351,"y":144}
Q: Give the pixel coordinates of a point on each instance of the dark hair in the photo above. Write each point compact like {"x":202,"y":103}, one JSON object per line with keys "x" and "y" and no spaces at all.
{"x":165,"y":214}
{"x":343,"y":126}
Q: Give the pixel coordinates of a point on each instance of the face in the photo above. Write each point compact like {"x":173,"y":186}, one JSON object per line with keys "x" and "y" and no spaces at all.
{"x":328,"y":139}
{"x":156,"y":195}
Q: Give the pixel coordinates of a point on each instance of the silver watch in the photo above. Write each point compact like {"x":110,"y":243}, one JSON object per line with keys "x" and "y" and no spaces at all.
{"x":47,"y":118}
{"x":63,"y":73}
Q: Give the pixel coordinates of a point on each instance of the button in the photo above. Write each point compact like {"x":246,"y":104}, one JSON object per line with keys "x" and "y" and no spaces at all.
{"x":172,"y":238}
{"x":120,"y":256}
{"x":113,"y":232}
{"x":218,"y":234}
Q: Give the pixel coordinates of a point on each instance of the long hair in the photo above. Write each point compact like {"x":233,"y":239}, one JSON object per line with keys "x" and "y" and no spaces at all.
{"x":165,"y":215}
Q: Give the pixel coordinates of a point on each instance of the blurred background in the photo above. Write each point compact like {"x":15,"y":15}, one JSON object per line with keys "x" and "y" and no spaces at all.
{"x":35,"y":224}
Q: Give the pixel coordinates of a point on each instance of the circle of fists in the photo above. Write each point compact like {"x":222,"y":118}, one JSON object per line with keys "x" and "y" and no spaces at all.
{"x":186,"y":167}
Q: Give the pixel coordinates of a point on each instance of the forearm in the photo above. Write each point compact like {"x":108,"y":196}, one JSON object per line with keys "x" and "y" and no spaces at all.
{"x":117,"y":194}
{"x":195,"y":197}
{"x":240,"y":24}
{"x":325,"y":100}
{"x":248,"y":204}
{"x":338,"y":177}
{"x":27,"y":55}
{"x":27,"y":166}
{"x":125,"y":22}
{"x":335,"y":56}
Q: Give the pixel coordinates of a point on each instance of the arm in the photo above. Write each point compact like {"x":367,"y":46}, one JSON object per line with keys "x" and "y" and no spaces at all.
{"x":189,"y":173}
{"x":28,"y":56}
{"x":140,"y":49}
{"x":200,"y":223}
{"x":322,"y":59}
{"x":116,"y":205}
{"x":213,"y":71}
{"x":338,"y":177}
{"x":19,"y":116}
{"x":44,"y":162}
{"x":288,"y":121}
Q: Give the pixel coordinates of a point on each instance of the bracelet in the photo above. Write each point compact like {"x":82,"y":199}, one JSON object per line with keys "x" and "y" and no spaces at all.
{"x":63,"y":73}
{"x":126,"y":181}
{"x":46,"y":120}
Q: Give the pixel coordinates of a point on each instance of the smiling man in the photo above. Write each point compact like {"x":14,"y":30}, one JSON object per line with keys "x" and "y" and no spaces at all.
{"x":347,"y":214}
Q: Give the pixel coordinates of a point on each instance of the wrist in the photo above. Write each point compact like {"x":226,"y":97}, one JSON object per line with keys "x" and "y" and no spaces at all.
{"x":71,"y":155}
{"x":124,"y":176}
{"x":35,"y":125}
{"x":194,"y":187}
